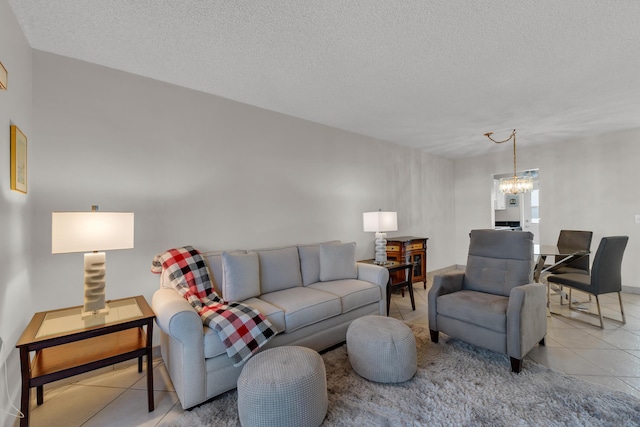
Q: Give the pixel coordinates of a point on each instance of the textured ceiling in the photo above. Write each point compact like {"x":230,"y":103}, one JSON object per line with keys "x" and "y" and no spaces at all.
{"x":434,"y":75}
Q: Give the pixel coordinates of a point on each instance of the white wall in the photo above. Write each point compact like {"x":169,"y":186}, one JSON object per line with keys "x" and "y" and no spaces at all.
{"x":15,"y":208}
{"x":201,"y":170}
{"x":586,"y":184}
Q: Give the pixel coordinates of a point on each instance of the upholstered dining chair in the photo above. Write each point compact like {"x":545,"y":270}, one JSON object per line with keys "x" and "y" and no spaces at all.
{"x":493,"y":303}
{"x":574,"y":239}
{"x":605,"y":276}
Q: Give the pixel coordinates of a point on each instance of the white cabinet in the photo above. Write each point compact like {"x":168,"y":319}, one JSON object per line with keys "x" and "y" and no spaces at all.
{"x":499,"y":199}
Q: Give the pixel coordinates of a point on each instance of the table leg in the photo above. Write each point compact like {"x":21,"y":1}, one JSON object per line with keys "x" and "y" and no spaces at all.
{"x":388,"y":295}
{"x":150,"y":366}
{"x":538,"y":268}
{"x":26,"y":377}
{"x":410,"y":281}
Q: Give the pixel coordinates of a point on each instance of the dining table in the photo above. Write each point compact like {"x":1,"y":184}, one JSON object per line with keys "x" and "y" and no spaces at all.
{"x":562,"y":255}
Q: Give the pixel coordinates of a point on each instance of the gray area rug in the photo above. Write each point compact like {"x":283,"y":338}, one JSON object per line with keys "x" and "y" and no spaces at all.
{"x":456,"y":385}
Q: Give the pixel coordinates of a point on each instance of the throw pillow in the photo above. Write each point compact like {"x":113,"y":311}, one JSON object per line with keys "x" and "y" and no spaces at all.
{"x":279,"y":269}
{"x":240,"y":276}
{"x":310,"y":262}
{"x":338,"y":261}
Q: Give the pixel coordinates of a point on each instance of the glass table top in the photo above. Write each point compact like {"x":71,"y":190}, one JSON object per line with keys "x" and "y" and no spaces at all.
{"x":552,"y":250}
{"x":70,"y":319}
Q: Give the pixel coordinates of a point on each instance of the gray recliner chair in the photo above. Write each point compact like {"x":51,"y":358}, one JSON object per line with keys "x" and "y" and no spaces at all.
{"x":494,"y":303}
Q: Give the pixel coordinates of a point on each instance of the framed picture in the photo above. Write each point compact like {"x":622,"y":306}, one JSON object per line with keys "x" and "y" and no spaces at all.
{"x":4,"y":76}
{"x":513,"y":201}
{"x":18,"y":160}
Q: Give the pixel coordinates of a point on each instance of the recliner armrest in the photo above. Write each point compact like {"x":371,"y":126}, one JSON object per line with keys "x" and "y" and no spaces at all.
{"x":442,"y":284}
{"x":526,"y":318}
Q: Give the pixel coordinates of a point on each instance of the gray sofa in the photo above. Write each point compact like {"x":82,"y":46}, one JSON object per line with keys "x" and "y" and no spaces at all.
{"x":493,"y":304}
{"x":310,"y":294}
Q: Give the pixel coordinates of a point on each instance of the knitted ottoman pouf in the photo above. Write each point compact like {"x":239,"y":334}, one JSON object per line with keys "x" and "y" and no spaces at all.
{"x":283,"y":386}
{"x":382,"y":349}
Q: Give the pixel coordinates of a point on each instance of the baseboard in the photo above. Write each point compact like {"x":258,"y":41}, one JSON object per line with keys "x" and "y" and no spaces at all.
{"x":631,"y":289}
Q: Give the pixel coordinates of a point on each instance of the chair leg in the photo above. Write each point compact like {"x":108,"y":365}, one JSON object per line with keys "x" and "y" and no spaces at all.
{"x":599,"y":313}
{"x":624,"y":320}
{"x":516,"y":365}
{"x":434,"y":336}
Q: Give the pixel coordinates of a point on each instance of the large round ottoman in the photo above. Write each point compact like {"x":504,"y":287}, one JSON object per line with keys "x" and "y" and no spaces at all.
{"x":283,"y":386}
{"x":382,"y":349}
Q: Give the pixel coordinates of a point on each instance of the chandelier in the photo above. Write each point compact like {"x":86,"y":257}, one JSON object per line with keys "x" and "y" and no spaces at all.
{"x":516,"y":184}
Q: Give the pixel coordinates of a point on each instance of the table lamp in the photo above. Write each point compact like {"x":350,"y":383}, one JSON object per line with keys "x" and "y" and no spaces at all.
{"x":380,"y":222}
{"x":91,"y":232}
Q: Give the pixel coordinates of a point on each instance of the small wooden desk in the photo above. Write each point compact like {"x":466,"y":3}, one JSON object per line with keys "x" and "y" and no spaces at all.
{"x":393,"y":283}
{"x":65,"y":344}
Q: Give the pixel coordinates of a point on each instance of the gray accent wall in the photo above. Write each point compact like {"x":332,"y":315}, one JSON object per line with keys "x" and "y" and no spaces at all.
{"x":205,"y":171}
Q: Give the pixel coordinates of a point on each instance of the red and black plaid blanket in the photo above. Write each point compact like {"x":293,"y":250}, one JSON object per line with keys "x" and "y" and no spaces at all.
{"x":242,"y":329}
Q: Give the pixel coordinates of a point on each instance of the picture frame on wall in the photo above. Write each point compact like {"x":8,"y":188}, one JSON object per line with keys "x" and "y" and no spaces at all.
{"x":18,"y":160}
{"x":513,"y":201}
{"x":4,"y":77}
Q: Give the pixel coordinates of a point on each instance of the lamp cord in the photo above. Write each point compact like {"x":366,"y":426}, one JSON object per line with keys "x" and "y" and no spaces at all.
{"x":19,"y":413}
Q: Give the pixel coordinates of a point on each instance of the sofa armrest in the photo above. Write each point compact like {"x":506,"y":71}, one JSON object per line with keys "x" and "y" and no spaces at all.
{"x":526,"y":318}
{"x":442,"y":284}
{"x":378,"y":275}
{"x":373,"y":273}
{"x":175,"y":316}
{"x":183,"y":345}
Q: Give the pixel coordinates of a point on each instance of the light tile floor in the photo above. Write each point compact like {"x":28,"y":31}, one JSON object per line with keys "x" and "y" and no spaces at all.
{"x":117,"y":396}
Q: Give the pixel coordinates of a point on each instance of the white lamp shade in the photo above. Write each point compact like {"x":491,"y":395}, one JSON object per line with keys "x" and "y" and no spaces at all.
{"x":91,"y":231}
{"x":380,"y":221}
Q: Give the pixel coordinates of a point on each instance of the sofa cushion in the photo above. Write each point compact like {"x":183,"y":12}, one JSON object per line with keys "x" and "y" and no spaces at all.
{"x":241,"y":276}
{"x":352,"y":292}
{"x":214,"y":262}
{"x":274,"y":314}
{"x":310,"y":262}
{"x":303,"y":305}
{"x":279,"y":269}
{"x":338,"y":261}
{"x":478,"y":308}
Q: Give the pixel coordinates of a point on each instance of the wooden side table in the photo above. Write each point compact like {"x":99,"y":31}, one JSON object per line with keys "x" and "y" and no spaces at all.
{"x":404,"y":270}
{"x":65,"y":344}
{"x":410,"y":249}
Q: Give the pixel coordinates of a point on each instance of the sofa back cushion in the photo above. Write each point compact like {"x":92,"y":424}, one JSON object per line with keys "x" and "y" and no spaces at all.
{"x":214,"y":262}
{"x":241,"y":276}
{"x":279,"y":269}
{"x":498,"y":261}
{"x":310,"y":262}
{"x":338,"y":261}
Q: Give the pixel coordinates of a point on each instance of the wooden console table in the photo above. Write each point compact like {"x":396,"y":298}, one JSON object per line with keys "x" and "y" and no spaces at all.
{"x":410,"y":249}
{"x":65,"y":344}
